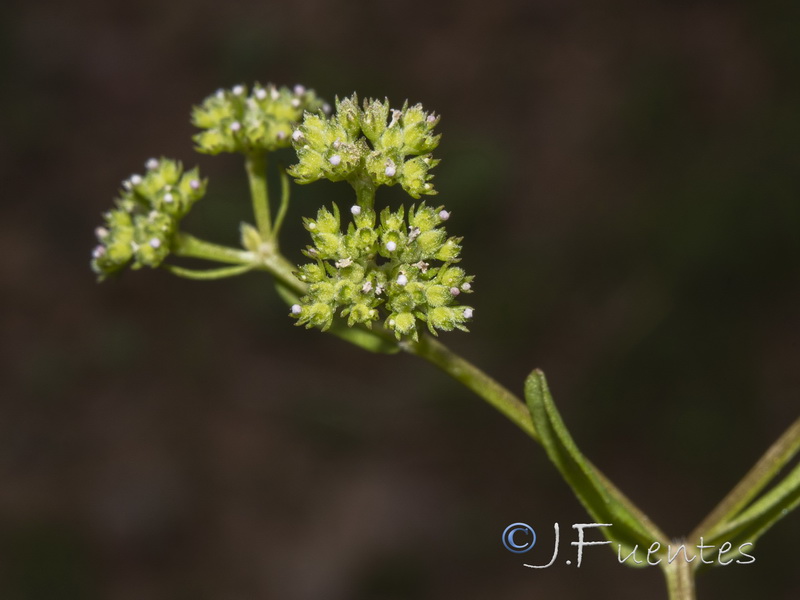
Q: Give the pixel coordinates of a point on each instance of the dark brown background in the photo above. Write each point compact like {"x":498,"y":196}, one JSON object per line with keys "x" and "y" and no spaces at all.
{"x":626,"y":179}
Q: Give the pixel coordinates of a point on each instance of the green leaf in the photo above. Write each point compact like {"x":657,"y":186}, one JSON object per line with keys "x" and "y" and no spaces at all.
{"x":761,"y":515}
{"x":604,"y":502}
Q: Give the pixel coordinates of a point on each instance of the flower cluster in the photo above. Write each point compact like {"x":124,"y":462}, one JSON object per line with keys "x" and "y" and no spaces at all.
{"x":384,"y":264}
{"x":141,"y":227}
{"x":263,"y":119}
{"x":372,"y":141}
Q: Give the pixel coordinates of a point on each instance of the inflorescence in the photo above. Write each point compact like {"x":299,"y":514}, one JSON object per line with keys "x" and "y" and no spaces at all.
{"x":389,"y":264}
{"x":141,"y":228}
{"x":368,"y":143}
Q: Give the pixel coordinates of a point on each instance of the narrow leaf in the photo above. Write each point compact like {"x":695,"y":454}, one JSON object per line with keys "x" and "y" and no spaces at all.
{"x":604,"y":502}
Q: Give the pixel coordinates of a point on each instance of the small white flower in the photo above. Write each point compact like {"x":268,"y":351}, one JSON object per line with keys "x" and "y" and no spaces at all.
{"x":466,"y":287}
{"x":413,"y":233}
{"x":136,"y":179}
{"x":101,"y":233}
{"x":261,"y":93}
{"x":98,"y":251}
{"x":468,"y":313}
{"x":155,"y":243}
{"x":194,"y":184}
{"x":168,"y":198}
{"x":454,"y":291}
{"x":431,"y":118}
{"x":378,"y":290}
{"x":296,"y":102}
{"x":391,"y":170}
{"x":402,"y":279}
{"x":235,"y":126}
{"x":345,"y":262}
{"x":151,"y":164}
{"x":296,"y":309}
{"x":355,"y":209}
{"x":281,"y":135}
{"x":297,"y":135}
{"x":220,"y":94}
{"x":335,"y":160}
{"x":391,"y":247}
{"x":238,"y":90}
{"x":312,"y":226}
{"x":299,"y":90}
{"x":336,"y":144}
{"x":367,"y":287}
{"x":326,"y":108}
{"x":444,"y":215}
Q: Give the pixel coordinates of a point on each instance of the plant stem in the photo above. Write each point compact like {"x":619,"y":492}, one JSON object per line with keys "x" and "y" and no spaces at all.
{"x":781,"y":452}
{"x":256,"y":167}
{"x":284,"y":206}
{"x":680,"y":580}
{"x":475,"y":379}
{"x":365,"y":190}
{"x":209,"y":274}
{"x":192,"y":247}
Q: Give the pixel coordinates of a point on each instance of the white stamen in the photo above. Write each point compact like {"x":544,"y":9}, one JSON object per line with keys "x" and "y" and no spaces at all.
{"x":297,"y":135}
{"x":454,"y":291}
{"x":296,"y":309}
{"x":261,"y":93}
{"x":155,"y":243}
{"x":299,"y":90}
{"x":151,"y":164}
{"x":466,"y":287}
{"x":355,"y":209}
{"x":444,"y":215}
{"x":238,"y":90}
{"x":468,"y":313}
{"x":235,"y":126}
{"x":168,"y":198}
{"x":136,"y":179}
{"x":402,"y":279}
{"x":390,"y":171}
{"x":335,"y":160}
{"x":194,"y":184}
{"x":391,"y":247}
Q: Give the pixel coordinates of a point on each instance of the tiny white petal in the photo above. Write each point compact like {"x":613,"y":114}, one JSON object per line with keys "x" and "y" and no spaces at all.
{"x":335,"y":160}
{"x":391,"y":247}
{"x":261,"y":93}
{"x":390,"y":171}
{"x":444,"y":215}
{"x":297,"y":135}
{"x":355,"y":209}
{"x":235,"y":126}
{"x":466,"y":287}
{"x":296,"y":309}
{"x":468,"y":313}
{"x":155,"y":243}
{"x":238,"y":90}
{"x":402,"y":279}
{"x":367,"y":287}
{"x":151,"y":164}
{"x":455,"y":291}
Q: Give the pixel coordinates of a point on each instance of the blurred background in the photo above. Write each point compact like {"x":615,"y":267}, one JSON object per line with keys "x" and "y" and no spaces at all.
{"x":626,"y":180}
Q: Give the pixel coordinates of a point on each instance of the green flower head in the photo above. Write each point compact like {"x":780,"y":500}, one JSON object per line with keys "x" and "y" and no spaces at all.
{"x":238,"y":120}
{"x":139,"y":231}
{"x":395,"y":266}
{"x":371,"y":141}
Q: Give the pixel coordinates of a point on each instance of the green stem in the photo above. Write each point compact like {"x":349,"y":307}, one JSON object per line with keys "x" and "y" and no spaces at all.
{"x":680,"y":580}
{"x":208,"y":274}
{"x":365,"y":190}
{"x":284,"y":206}
{"x":256,"y":167}
{"x":773,"y":460}
{"x":479,"y":382}
{"x":192,"y":247}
